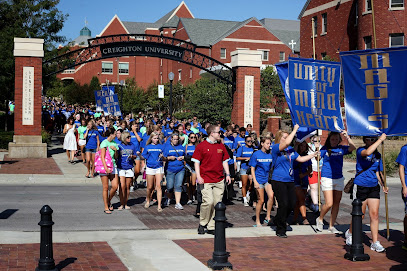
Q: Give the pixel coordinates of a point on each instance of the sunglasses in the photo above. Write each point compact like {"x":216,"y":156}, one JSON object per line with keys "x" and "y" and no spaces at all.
{"x":191,"y":137}
{"x":128,"y":137}
{"x":371,"y":139}
{"x":249,"y":141}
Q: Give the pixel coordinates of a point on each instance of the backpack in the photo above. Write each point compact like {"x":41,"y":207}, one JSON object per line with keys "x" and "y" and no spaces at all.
{"x":99,"y":168}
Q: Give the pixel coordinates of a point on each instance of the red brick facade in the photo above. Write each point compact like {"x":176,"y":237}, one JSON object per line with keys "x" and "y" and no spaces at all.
{"x":348,"y":23}
{"x":19,"y":128}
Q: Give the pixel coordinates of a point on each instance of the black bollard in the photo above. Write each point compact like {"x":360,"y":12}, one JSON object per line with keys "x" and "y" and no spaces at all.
{"x":46,"y":261}
{"x":357,"y":252}
{"x":220,"y":256}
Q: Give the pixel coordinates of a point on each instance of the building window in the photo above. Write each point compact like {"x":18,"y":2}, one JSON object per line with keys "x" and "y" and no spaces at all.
{"x":265,"y":56}
{"x":315,"y":26}
{"x":107,"y":67}
{"x":190,"y":72}
{"x":124,"y":68}
{"x":282,"y":57}
{"x":368,"y":5}
{"x":324,"y":23}
{"x":179,"y":75}
{"x":323,"y":55}
{"x":396,"y":3}
{"x":223,"y":53}
{"x":368,"y":42}
{"x":396,"y":40}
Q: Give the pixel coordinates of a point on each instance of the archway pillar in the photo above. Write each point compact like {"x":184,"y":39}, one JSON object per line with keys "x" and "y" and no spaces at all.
{"x":246,"y":98}
{"x":27,"y":140}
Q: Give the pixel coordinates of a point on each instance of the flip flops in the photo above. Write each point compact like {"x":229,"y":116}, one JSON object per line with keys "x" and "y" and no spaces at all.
{"x":107,"y":212}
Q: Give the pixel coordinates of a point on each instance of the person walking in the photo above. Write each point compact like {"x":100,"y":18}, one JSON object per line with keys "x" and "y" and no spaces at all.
{"x":70,"y":140}
{"x":243,"y":155}
{"x":191,"y":176}
{"x":369,"y":167}
{"x":282,"y":179}
{"x":211,"y":160}
{"x":402,"y":161}
{"x":82,"y":140}
{"x":332,"y":180}
{"x":92,"y":146}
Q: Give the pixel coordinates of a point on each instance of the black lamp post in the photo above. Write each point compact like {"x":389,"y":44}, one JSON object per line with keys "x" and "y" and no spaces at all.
{"x":171,"y":77}
{"x":122,"y":83}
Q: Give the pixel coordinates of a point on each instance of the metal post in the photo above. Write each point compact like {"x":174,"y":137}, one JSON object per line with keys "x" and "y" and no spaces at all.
{"x":220,"y":256}
{"x":46,"y":261}
{"x":357,"y":252}
{"x":171,"y":99}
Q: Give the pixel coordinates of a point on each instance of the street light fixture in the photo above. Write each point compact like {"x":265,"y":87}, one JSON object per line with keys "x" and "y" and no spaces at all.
{"x":171,"y":77}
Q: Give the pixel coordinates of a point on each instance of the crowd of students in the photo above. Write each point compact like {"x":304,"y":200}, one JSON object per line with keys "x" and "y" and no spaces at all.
{"x":282,"y":172}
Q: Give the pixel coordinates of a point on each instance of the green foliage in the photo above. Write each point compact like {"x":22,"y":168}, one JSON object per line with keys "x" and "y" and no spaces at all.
{"x":46,"y":137}
{"x":79,"y":94}
{"x":271,"y":92}
{"x":5,"y":138}
{"x":25,"y":19}
{"x":209,"y":100}
{"x":134,"y":98}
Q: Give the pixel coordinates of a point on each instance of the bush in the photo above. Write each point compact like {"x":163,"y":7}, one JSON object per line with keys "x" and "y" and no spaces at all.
{"x":5,"y":138}
{"x":389,"y":160}
{"x":46,"y":137}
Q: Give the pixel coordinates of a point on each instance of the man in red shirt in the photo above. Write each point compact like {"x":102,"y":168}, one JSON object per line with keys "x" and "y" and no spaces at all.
{"x":211,"y":159}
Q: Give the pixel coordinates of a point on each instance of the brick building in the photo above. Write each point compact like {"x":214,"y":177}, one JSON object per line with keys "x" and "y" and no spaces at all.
{"x":344,"y":25}
{"x":215,"y":38}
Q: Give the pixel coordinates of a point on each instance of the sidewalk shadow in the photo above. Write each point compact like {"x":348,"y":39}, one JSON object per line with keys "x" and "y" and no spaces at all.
{"x":7,"y":213}
{"x":65,"y":263}
{"x":136,"y":201}
{"x":8,"y":162}
{"x":395,"y":252}
{"x":53,"y":151}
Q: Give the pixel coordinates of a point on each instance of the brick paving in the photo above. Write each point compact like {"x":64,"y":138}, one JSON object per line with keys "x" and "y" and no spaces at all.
{"x":317,"y":252}
{"x":89,"y":256}
{"x":29,"y":166}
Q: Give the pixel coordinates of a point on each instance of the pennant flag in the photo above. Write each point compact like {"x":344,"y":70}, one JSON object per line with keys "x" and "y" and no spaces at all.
{"x":375,"y":91}
{"x":282,"y":71}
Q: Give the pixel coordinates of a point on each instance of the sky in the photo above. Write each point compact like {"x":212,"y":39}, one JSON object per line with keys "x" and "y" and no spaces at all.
{"x":98,"y":13}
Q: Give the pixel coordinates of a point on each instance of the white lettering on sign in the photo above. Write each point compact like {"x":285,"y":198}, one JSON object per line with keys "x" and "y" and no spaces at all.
{"x":248,"y":99}
{"x":28,"y":95}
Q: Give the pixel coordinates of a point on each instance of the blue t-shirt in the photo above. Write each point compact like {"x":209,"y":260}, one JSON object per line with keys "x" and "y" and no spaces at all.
{"x":101,"y":130}
{"x":177,"y":151}
{"x":239,"y":140}
{"x":118,"y":141}
{"x":190,"y":149}
{"x":262,"y":163}
{"x":402,"y":159}
{"x":244,"y":152}
{"x":134,"y":140}
{"x":151,"y":153}
{"x":230,"y":143}
{"x":125,"y":151}
{"x":301,"y":168}
{"x":283,"y":163}
{"x":144,"y":140}
{"x":332,"y":164}
{"x":91,"y":139}
{"x":168,"y":132}
{"x":372,"y":163}
{"x":77,"y":123}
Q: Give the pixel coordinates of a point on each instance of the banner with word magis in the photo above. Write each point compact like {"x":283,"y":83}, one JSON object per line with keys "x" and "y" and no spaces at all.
{"x":375,"y":91}
{"x":314,"y":91}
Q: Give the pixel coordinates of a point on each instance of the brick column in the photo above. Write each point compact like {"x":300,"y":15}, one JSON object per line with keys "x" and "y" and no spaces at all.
{"x":27,"y":141}
{"x":246,"y":99}
{"x":273,"y":124}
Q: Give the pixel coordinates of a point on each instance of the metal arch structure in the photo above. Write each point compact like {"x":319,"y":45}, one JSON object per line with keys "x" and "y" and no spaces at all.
{"x":141,"y":45}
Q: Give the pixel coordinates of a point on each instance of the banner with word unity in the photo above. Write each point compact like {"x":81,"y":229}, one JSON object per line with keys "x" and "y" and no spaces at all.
{"x":314,"y":91}
{"x":282,"y":71}
{"x":375,"y":91}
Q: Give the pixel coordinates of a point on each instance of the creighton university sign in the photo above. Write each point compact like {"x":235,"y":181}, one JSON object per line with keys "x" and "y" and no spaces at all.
{"x":141,"y":49}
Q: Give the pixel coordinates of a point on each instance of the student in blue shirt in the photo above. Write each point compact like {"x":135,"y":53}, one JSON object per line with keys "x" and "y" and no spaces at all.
{"x":92,"y":145}
{"x":332,"y":180}
{"x":282,"y":179}
{"x":125,"y":163}
{"x":239,"y":140}
{"x":174,"y":155}
{"x":402,"y":161}
{"x":191,"y":174}
{"x":136,"y":140}
{"x":153,"y":153}
{"x":119,"y":132}
{"x":260,"y":163}
{"x":301,"y":173}
{"x":369,"y":167}
{"x":243,"y":155}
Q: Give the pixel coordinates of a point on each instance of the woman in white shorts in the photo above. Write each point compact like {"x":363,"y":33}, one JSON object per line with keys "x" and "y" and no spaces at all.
{"x":82,"y":140}
{"x":125,"y":163}
{"x":153,"y":153}
{"x":332,"y":178}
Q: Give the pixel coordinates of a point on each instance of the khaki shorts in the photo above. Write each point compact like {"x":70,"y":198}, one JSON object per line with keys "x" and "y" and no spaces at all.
{"x":328,"y":184}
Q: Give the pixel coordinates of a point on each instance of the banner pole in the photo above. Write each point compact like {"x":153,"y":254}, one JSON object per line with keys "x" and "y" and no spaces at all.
{"x":319,"y":172}
{"x":313,"y":36}
{"x":385,"y":194}
{"x":374,"y":26}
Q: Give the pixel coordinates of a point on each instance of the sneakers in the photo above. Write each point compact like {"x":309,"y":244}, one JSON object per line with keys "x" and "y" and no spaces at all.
{"x":348,"y":237}
{"x":248,"y":196}
{"x":201,"y":229}
{"x":320,"y":224}
{"x":131,"y":189}
{"x":189,"y":202}
{"x":167,"y":202}
{"x":178,"y":206}
{"x":240,"y":184}
{"x":333,"y":230}
{"x":377,"y":247}
{"x":246,"y":204}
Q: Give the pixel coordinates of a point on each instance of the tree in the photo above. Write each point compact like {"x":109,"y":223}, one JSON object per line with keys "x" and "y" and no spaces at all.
{"x":134,"y":98}
{"x":209,"y":100}
{"x":26,"y":19}
{"x":271,"y":92}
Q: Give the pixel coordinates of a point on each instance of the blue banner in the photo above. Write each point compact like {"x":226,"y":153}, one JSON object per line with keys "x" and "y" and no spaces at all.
{"x":375,"y":91}
{"x":107,"y":101}
{"x":282,"y":71}
{"x":314,"y":92}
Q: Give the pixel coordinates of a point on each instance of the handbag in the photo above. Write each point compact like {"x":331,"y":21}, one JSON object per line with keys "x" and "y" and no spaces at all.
{"x":349,"y":185}
{"x":99,"y":167}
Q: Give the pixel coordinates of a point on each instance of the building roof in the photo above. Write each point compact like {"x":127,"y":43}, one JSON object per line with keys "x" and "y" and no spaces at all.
{"x":139,"y":28}
{"x":304,"y":8}
{"x":84,"y":35}
{"x":204,"y":32}
{"x":285,"y":30}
